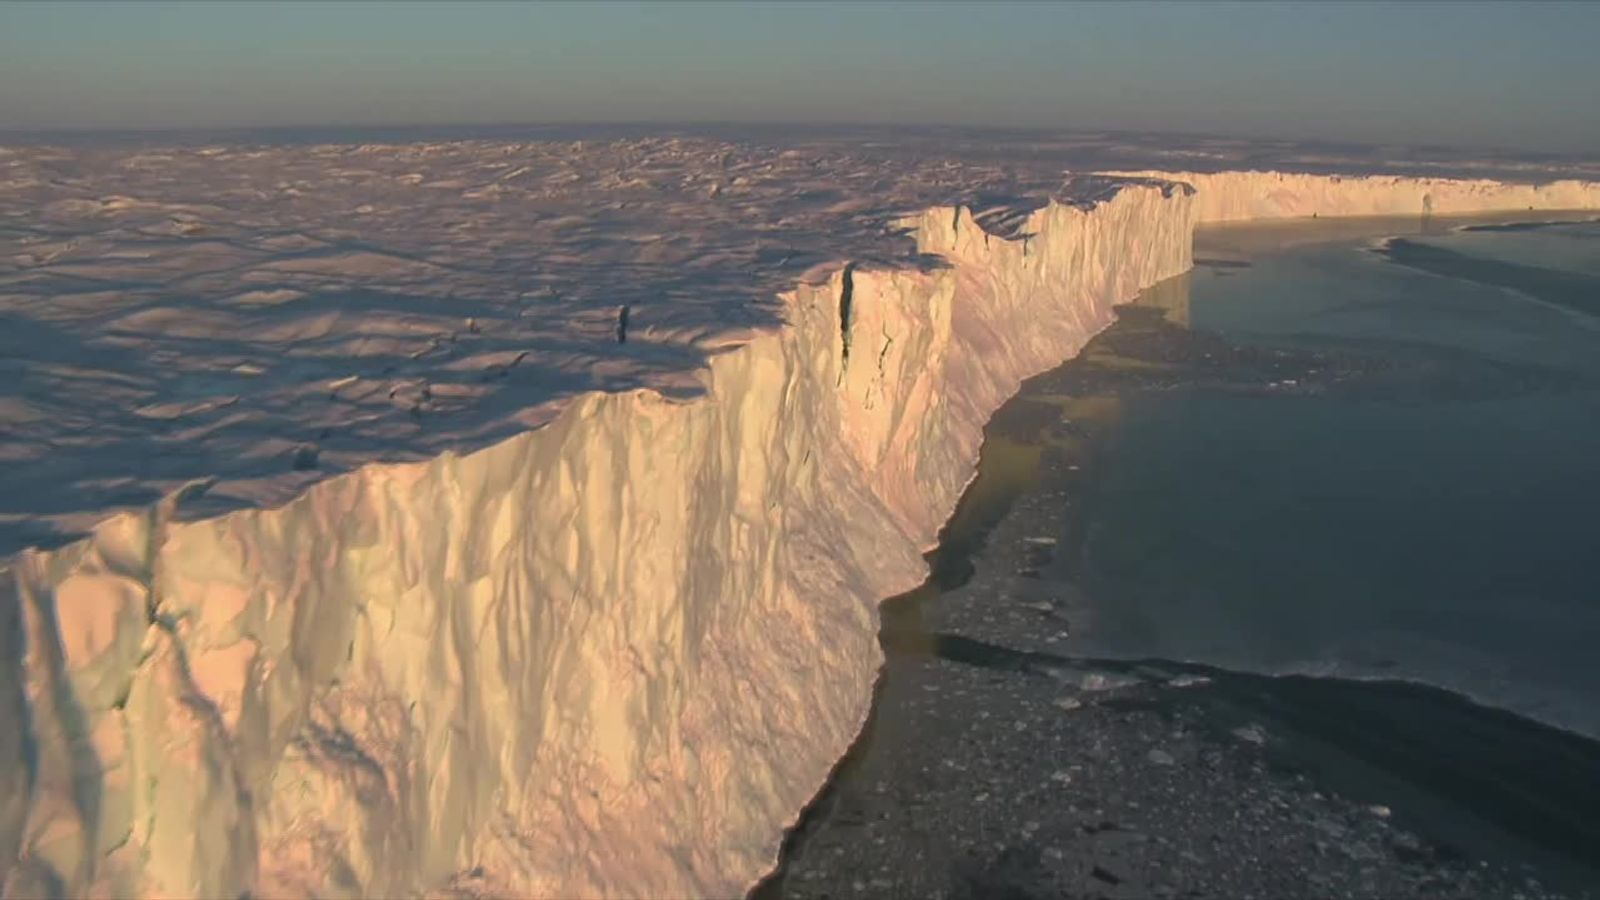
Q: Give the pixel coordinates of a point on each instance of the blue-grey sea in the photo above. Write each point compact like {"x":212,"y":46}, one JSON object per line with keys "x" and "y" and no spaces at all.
{"x":1441,"y":529}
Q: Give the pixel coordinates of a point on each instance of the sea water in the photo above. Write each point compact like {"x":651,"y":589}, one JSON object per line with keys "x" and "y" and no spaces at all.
{"x":1436,"y":524}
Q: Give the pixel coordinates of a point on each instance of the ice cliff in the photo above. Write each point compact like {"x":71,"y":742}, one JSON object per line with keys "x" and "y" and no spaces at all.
{"x":1240,"y":196}
{"x":613,"y":655}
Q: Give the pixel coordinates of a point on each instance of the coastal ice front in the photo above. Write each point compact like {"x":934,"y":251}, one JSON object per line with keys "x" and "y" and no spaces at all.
{"x":493,"y":518}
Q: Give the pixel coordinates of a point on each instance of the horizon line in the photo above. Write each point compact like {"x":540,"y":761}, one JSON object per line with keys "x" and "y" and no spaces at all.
{"x":819,"y":125}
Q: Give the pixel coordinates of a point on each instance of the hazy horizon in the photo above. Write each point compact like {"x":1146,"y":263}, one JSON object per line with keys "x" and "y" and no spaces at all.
{"x":1513,"y":76}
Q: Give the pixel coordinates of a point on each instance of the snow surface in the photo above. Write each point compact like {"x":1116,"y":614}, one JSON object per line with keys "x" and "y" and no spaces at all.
{"x":543,"y":613}
{"x":267,"y":316}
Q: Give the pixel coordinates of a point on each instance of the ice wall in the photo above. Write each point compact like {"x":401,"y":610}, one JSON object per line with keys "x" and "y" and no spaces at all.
{"x":611,"y":656}
{"x":1238,"y":196}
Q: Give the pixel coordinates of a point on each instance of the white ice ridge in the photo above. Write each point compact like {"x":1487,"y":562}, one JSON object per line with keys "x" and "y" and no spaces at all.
{"x":611,"y":656}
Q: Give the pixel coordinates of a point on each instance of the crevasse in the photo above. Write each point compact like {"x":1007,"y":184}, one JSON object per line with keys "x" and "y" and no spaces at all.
{"x":611,"y":656}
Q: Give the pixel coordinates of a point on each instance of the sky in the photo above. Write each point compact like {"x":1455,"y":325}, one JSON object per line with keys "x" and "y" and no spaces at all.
{"x":1520,"y":76}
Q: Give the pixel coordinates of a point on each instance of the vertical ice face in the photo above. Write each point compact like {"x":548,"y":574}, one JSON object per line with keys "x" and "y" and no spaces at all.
{"x":611,"y":656}
{"x":614,"y":655}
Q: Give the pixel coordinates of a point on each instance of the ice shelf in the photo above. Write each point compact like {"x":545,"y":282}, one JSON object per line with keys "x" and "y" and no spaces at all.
{"x":612,"y":655}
